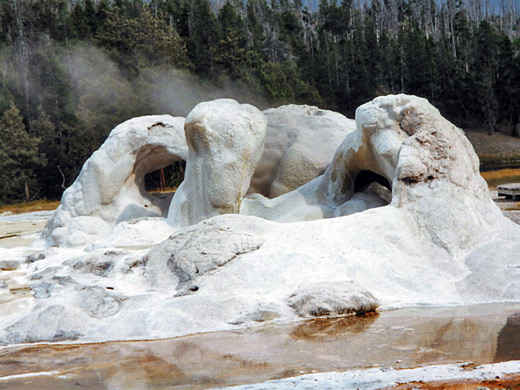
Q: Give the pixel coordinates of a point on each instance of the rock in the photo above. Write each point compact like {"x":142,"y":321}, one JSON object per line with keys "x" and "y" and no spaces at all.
{"x":46,"y":273}
{"x":225,"y":141}
{"x":35,"y":257}
{"x":367,"y":155}
{"x":401,"y":213}
{"x":42,"y":290}
{"x":3,"y":284}
{"x":332,"y":299}
{"x":9,"y":265}
{"x":299,"y":145}
{"x":261,"y":313}
{"x":93,"y":265}
{"x":192,"y":252}
{"x":301,"y":140}
{"x":403,"y":143}
{"x":110,"y":187}
{"x":54,"y":323}
{"x":98,"y":302}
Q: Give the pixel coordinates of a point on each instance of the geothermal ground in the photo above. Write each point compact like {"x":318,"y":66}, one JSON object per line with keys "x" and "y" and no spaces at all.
{"x":398,"y":231}
{"x":459,"y":348}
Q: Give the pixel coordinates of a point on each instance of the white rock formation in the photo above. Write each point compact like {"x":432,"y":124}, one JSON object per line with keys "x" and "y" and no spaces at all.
{"x":440,"y":241}
{"x":400,"y":141}
{"x":368,"y":154}
{"x":300,"y":144}
{"x":225,"y":141}
{"x":110,"y":187}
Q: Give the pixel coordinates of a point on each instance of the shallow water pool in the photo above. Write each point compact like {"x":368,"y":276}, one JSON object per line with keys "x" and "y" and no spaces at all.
{"x":398,"y":338}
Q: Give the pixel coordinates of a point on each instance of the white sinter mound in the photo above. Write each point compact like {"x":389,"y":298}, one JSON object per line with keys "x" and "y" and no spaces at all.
{"x":110,"y":187}
{"x":300,"y":144}
{"x":433,"y":237}
{"x":225,"y":140}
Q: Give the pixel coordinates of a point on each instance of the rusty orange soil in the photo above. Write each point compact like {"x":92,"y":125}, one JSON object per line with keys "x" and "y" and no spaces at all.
{"x":505,"y":382}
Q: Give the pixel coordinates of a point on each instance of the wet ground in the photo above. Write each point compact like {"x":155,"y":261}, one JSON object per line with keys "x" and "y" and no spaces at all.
{"x":507,"y":382}
{"x":19,"y":230}
{"x":399,"y":338}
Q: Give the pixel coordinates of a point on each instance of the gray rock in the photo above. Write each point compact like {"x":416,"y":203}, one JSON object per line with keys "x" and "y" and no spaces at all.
{"x":101,"y":268}
{"x":93,"y":266}
{"x":47,"y":273}
{"x":35,"y":257}
{"x":261,"y":313}
{"x":42,"y":290}
{"x":196,"y":254}
{"x":332,"y":299}
{"x":196,"y":251}
{"x":54,"y":323}
{"x":98,"y":302}
{"x":9,"y":265}
{"x":63,"y":280}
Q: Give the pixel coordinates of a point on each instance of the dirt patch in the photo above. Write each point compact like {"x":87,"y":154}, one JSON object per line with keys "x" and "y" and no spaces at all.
{"x":494,"y":148}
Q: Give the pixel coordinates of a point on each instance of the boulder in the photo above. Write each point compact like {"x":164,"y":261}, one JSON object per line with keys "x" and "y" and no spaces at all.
{"x":197,"y":250}
{"x":332,"y":299}
{"x":225,"y":142}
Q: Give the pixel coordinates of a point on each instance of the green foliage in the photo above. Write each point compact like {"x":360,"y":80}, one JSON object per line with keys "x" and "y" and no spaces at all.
{"x":77,"y":69}
{"x":19,"y":158}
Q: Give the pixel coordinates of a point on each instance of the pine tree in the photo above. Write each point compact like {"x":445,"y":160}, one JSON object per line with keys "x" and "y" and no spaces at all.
{"x":19,"y":158}
{"x":203,"y":38}
{"x":486,"y":71}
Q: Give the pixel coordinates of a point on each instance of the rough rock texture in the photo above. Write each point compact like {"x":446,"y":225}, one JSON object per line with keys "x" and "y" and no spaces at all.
{"x":332,"y":299}
{"x":438,"y":240}
{"x":260,"y":313}
{"x":225,"y":141}
{"x":300,"y":144}
{"x":110,"y":187}
{"x":50,"y":324}
{"x":403,"y":143}
{"x":196,"y":251}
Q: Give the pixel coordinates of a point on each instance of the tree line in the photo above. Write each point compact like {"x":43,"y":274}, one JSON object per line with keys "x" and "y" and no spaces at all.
{"x":72,"y":70}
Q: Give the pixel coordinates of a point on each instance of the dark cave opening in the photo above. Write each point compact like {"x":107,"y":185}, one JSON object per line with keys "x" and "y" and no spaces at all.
{"x":365,"y":178}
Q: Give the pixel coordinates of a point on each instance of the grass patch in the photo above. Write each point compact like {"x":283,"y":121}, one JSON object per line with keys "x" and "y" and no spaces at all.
{"x":27,"y":207}
{"x":167,"y":189}
{"x":501,"y":176}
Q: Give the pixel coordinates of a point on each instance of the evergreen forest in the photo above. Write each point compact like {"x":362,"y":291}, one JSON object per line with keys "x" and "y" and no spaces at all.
{"x":71,"y":70}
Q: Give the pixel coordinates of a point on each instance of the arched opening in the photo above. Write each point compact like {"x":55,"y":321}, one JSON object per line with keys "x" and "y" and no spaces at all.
{"x":166,"y":179}
{"x":157,"y":174}
{"x":365,"y":178}
{"x":371,"y":182}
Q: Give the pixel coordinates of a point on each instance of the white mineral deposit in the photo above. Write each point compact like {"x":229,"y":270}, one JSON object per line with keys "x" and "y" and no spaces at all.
{"x":397,"y":216}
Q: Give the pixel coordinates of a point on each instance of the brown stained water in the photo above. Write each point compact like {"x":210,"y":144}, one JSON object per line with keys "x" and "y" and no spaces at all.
{"x":400,"y":338}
